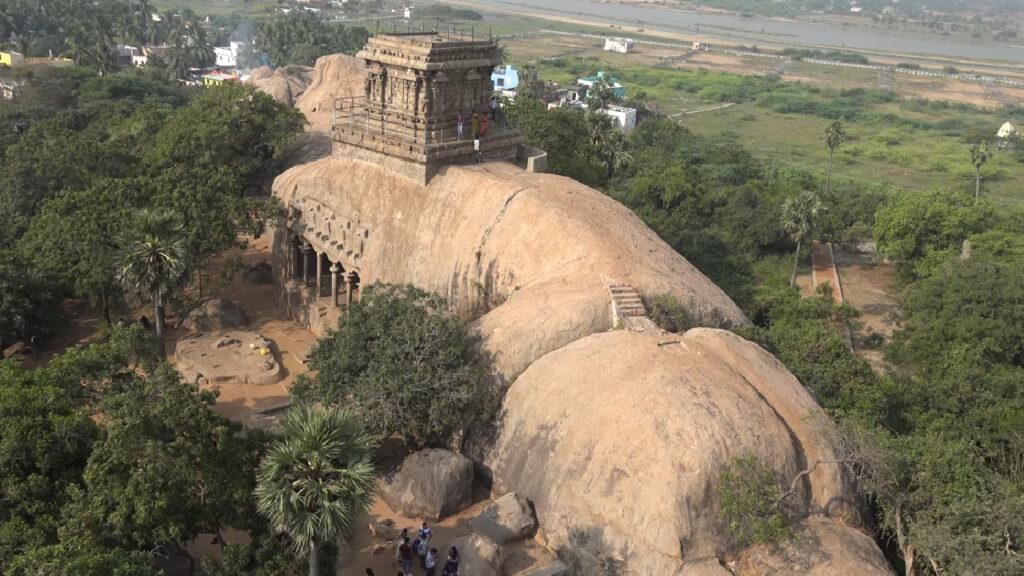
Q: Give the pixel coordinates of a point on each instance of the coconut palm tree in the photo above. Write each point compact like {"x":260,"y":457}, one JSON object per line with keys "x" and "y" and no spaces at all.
{"x":800,"y":218}
{"x":834,"y":136}
{"x":153,"y":265}
{"x":980,"y":154}
{"x":317,"y":478}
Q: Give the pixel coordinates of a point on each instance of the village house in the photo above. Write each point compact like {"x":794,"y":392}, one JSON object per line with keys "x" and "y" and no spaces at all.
{"x":624,"y":117}
{"x":218,"y":78}
{"x":588,"y":82}
{"x":506,"y":80}
{"x":11,"y":59}
{"x":227,"y":56}
{"x":124,"y":55}
{"x":620,"y":45}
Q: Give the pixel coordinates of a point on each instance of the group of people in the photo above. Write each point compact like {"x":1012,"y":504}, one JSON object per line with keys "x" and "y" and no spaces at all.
{"x":478,"y":122}
{"x":428,"y":556}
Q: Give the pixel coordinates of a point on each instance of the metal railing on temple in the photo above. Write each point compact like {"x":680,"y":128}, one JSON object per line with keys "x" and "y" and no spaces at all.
{"x":449,"y":32}
{"x":352,"y":115}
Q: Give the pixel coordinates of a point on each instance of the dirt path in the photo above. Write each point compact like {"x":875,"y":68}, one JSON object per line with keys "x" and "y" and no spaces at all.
{"x":823,"y":270}
{"x":870,"y":287}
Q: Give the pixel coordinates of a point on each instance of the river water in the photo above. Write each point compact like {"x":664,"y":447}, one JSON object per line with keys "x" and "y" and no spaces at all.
{"x":752,"y":30}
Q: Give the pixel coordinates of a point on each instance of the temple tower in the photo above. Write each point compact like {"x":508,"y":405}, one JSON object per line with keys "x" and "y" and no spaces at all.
{"x":416,"y":85}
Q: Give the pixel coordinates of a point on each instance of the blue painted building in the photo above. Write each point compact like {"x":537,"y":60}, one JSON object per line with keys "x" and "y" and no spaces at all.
{"x":505,"y":78}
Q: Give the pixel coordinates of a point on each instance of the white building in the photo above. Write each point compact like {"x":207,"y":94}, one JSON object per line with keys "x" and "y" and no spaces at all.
{"x":227,"y":56}
{"x":621,"y":45}
{"x":625,"y":118}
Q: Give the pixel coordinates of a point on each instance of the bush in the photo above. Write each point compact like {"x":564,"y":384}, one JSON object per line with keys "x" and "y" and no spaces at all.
{"x":406,"y":362}
{"x":750,"y":503}
{"x":666,"y":311}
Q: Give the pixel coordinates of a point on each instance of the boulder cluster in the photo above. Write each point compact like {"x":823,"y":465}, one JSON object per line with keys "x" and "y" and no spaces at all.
{"x":435,"y":484}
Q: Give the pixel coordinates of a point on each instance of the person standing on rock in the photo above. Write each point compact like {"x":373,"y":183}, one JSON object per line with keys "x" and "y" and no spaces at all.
{"x":494,"y":107}
{"x":430,"y":563}
{"x":460,"y":120}
{"x":474,"y":125}
{"x":483,"y":125}
{"x":405,"y":552}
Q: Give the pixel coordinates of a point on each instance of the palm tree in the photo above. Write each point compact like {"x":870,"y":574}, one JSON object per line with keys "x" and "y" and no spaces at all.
{"x":154,"y":261}
{"x":834,"y":136}
{"x":980,"y":154}
{"x":800,"y":217}
{"x":317,"y":478}
{"x":609,"y":142}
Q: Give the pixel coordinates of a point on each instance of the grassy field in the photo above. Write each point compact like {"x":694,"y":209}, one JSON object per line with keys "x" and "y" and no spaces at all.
{"x":893,"y":142}
{"x":877,"y":154}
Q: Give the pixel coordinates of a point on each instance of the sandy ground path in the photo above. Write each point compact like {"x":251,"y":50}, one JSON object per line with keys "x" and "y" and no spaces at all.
{"x":869,"y":285}
{"x":249,"y":403}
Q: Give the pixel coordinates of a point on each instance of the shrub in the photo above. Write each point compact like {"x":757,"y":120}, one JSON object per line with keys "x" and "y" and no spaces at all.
{"x":404,"y":360}
{"x":750,"y":503}
{"x":666,"y":311}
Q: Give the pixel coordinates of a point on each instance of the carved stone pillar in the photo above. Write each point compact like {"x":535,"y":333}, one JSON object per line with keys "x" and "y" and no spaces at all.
{"x":349,"y":287}
{"x":319,"y":274}
{"x":334,"y":284}
{"x":306,"y":248}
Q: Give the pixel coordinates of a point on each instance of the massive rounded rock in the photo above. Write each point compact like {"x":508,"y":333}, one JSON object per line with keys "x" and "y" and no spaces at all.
{"x":619,"y":440}
{"x":259,"y":273}
{"x":505,"y":520}
{"x":213,"y":314}
{"x":821,"y":548}
{"x":529,"y":254}
{"x":480,"y":556}
{"x":431,"y":483}
{"x":334,"y":76}
{"x":284,"y":84}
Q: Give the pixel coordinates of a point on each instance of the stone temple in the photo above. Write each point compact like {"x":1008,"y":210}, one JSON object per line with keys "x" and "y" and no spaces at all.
{"x":405,"y":125}
{"x":417,"y":83}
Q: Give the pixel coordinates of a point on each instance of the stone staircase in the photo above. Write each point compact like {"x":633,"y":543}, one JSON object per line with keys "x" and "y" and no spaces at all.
{"x":626,"y":302}
{"x":628,"y":310}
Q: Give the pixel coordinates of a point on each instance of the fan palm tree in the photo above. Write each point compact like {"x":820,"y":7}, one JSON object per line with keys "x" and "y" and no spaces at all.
{"x":154,"y":261}
{"x":609,"y":142}
{"x":980,"y":154}
{"x":317,"y":478}
{"x":801,"y":216}
{"x":834,"y":136}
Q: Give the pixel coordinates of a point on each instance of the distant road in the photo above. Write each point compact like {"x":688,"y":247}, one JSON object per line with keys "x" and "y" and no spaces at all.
{"x":737,"y":28}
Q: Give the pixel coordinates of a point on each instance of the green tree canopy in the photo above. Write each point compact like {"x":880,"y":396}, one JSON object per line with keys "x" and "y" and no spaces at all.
{"x":919,"y":230}
{"x":969,"y":312}
{"x":29,"y":299}
{"x":159,"y":474}
{"x":44,"y":444}
{"x":404,"y":361}
{"x":301,"y":38}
